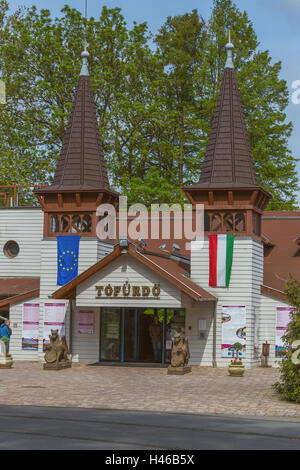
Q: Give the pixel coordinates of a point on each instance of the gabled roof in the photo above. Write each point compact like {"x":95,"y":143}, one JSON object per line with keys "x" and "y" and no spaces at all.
{"x":17,"y":285}
{"x":167,"y":268}
{"x":283,"y":258}
{"x":18,"y":298}
{"x":273,"y":292}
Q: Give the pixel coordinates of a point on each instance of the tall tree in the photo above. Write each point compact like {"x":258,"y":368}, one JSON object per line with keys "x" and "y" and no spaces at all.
{"x":154,"y":106}
{"x":264,"y":97}
{"x":180,"y":43}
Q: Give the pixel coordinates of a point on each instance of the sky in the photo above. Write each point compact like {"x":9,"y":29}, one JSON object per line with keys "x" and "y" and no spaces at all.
{"x":276,"y":23}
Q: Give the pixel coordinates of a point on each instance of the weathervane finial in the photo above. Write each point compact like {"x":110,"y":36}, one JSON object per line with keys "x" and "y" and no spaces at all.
{"x":229,"y":48}
{"x":84,"y":69}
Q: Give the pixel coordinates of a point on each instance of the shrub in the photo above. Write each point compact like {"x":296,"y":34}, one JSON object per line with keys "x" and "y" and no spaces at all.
{"x":289,"y":385}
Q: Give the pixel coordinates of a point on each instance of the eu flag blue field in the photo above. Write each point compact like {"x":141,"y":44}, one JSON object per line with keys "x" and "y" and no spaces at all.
{"x":67,"y":258}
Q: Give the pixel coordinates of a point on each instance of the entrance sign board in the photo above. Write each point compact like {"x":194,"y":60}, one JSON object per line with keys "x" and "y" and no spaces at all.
{"x":30,"y":330}
{"x":233,"y":329}
{"x":128,"y":291}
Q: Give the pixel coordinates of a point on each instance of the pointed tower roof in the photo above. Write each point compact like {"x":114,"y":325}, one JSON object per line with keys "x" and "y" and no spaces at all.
{"x":81,"y":165}
{"x":228,"y":162}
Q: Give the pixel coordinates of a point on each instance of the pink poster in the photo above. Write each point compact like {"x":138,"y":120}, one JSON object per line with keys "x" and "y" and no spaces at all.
{"x":85,"y":322}
{"x":54,"y":319}
{"x":282,"y":320}
{"x":30,"y":329}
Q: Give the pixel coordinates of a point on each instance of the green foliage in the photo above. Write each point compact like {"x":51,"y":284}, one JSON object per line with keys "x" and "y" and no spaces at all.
{"x":289,"y":386}
{"x":236,"y":362}
{"x":155,"y":104}
{"x":237,"y":346}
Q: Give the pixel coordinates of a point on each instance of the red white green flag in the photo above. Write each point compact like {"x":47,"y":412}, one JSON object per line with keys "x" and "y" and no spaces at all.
{"x":220,"y":259}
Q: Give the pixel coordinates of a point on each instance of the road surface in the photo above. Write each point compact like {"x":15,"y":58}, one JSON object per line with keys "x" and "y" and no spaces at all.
{"x":47,"y":428}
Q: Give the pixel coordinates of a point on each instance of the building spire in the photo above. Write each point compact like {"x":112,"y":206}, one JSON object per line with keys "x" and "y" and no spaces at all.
{"x":85,"y":55}
{"x":229,"y":48}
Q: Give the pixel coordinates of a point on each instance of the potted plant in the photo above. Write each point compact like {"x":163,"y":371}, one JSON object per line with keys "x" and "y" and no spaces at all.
{"x":236,"y":367}
{"x":6,"y":360}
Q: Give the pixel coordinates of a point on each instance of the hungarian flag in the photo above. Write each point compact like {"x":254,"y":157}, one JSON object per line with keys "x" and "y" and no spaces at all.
{"x":220,"y":259}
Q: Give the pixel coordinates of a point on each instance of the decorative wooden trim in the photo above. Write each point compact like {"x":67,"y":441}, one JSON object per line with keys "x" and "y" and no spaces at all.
{"x":20,"y":297}
{"x":230,"y":198}
{"x":41,"y":201}
{"x":211,"y":198}
{"x":260,"y":200}
{"x":60,"y":199}
{"x":78,"y":199}
{"x":253,"y":197}
{"x":67,"y":291}
{"x":99,"y":199}
{"x":276,"y":293}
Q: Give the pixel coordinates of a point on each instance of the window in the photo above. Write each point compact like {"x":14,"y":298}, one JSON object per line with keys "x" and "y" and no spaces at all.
{"x":240,"y":225}
{"x":68,"y":223}
{"x":65,"y":223}
{"x":87,"y":223}
{"x":216,"y":225}
{"x":76,"y":224}
{"x":11,"y":249}
{"x":206,"y":222}
{"x":54,"y":224}
{"x":228,"y":222}
{"x":256,"y":224}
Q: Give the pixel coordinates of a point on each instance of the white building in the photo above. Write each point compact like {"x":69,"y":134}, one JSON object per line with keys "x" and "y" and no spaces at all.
{"x":106,"y":311}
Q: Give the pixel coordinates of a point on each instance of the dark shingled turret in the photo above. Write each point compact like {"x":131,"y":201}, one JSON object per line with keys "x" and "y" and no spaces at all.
{"x":81,"y":165}
{"x":228,"y":161}
{"x":228,"y":186}
{"x":80,"y":182}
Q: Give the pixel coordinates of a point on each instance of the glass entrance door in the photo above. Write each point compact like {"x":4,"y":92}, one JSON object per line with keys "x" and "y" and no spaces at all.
{"x":139,"y":334}
{"x":110,"y":334}
{"x":130,"y":331}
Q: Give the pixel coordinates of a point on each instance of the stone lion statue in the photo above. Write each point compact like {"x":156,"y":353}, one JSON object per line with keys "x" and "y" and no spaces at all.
{"x":57,"y":351}
{"x":180,"y":354}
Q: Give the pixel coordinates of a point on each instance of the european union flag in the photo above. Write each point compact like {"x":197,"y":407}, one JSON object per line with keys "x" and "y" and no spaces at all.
{"x":67,"y":258}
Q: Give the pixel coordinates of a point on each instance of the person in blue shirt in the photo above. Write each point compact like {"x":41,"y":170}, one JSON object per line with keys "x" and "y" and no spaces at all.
{"x":5,"y":331}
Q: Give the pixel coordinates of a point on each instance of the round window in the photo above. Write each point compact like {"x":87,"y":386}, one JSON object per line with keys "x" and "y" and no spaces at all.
{"x":11,"y":249}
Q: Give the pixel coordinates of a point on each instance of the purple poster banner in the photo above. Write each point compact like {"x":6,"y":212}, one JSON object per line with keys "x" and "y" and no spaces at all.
{"x":85,"y":322}
{"x":54,"y":319}
{"x":282,"y":321}
{"x":30,"y":329}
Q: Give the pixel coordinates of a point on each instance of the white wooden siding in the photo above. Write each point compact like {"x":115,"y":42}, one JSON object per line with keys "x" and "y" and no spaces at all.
{"x":244,"y":289}
{"x":201,"y":350}
{"x":87,"y":257}
{"x":136,"y":274}
{"x":85,"y":347}
{"x":25,"y":226}
{"x":16,"y":318}
{"x":104,"y":248}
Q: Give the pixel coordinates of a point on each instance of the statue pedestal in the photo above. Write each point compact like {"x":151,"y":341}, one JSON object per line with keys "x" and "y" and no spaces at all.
{"x":59,"y":366}
{"x":179,"y":370}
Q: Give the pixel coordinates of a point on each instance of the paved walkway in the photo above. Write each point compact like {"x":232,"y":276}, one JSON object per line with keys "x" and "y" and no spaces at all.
{"x":205,"y":390}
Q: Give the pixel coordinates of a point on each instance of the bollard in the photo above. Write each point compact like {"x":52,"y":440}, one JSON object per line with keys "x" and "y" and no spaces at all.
{"x":265,"y":353}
